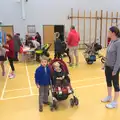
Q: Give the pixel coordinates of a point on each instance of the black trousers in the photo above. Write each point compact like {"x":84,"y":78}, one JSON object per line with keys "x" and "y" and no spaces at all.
{"x":16,"y":56}
{"x":58,"y":55}
{"x":11,"y":60}
{"x":67,"y":52}
{"x":112,"y":79}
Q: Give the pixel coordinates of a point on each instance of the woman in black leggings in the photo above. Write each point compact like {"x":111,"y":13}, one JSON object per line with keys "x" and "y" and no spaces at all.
{"x":112,"y":66}
{"x":10,"y":54}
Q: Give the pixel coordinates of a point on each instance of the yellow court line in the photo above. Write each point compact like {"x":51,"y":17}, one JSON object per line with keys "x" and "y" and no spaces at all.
{"x":89,"y":85}
{"x":87,"y":79}
{"x":28,"y":76}
{"x":24,"y":96}
{"x":11,"y":98}
{"x":3,"y":91}
{"x":17,"y":90}
{"x":75,"y":81}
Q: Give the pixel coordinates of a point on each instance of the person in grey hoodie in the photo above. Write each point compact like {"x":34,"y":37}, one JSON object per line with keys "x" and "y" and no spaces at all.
{"x":112,"y":67}
{"x":17,"y":44}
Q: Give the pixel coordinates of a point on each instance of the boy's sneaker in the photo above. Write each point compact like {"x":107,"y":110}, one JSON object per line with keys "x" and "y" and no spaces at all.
{"x":111,"y":105}
{"x":107,"y":99}
{"x":11,"y":76}
{"x":41,"y":109}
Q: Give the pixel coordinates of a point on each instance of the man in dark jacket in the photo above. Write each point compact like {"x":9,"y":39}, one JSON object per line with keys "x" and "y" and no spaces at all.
{"x":58,"y":48}
{"x":17,"y":44}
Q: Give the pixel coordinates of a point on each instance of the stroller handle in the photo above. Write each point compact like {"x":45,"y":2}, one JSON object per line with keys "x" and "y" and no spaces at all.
{"x":86,"y":45}
{"x":49,"y":44}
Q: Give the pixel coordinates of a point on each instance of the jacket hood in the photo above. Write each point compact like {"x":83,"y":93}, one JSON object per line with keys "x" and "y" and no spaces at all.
{"x":73,"y":31}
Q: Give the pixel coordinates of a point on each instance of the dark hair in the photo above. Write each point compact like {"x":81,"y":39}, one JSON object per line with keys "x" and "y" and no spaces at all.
{"x":115,"y":30}
{"x":18,"y":34}
{"x":10,"y":36}
{"x":38,"y":33}
{"x":72,"y":27}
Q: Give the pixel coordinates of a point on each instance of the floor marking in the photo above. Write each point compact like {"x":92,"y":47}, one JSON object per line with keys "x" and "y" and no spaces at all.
{"x":89,"y":85}
{"x":87,"y":79}
{"x":17,"y":89}
{"x":24,"y":96}
{"x":28,"y":79}
{"x":5,"y":85}
{"x":75,"y":81}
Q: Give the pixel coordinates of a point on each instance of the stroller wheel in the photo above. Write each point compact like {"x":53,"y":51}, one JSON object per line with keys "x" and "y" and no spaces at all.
{"x":89,"y":62}
{"x":55,"y":105}
{"x":52,"y":108}
{"x":76,"y":101}
{"x":72,"y":102}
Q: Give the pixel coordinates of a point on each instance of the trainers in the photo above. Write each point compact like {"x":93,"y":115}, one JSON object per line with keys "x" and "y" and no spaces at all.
{"x":77,"y":65}
{"x":11,"y":76}
{"x":71,"y":65}
{"x":111,"y":105}
{"x":107,"y":99}
{"x":41,"y":109}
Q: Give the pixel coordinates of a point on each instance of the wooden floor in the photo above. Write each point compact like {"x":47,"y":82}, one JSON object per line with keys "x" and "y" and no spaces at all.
{"x":19,"y":96}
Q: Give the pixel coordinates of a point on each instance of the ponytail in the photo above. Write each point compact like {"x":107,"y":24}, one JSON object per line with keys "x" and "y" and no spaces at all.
{"x":118,"y":35}
{"x":115,"y":30}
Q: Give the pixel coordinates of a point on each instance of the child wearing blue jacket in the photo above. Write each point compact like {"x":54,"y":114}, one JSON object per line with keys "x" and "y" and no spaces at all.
{"x":42,"y":80}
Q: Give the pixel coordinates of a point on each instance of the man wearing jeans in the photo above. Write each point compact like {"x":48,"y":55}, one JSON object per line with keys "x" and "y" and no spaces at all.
{"x":73,"y":44}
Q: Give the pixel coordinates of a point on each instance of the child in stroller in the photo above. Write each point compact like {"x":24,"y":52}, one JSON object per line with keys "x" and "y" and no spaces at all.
{"x":66,"y":91}
{"x":60,"y":79}
{"x":92,"y":51}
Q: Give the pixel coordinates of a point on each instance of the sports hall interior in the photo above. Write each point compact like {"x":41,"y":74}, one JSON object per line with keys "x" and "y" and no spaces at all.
{"x":92,"y":19}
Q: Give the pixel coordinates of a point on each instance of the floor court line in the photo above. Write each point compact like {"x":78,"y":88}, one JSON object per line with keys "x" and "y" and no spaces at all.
{"x":95,"y":78}
{"x":16,"y":90}
{"x":3,"y":91}
{"x":24,"y":96}
{"x":76,"y":81}
{"x":28,"y":78}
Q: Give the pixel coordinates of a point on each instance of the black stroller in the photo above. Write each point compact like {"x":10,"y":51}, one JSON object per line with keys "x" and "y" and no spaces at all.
{"x":43,"y":51}
{"x":55,"y":96}
{"x":92,"y":52}
{"x":64,"y":52}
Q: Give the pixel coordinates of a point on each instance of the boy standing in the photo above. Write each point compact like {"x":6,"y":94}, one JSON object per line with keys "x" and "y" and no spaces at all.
{"x":42,"y":79}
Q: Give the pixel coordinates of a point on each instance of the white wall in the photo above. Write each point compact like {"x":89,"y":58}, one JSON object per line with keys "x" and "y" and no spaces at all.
{"x":41,"y":12}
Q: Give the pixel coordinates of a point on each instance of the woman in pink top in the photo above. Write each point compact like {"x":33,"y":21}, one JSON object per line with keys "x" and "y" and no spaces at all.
{"x":73,"y":44}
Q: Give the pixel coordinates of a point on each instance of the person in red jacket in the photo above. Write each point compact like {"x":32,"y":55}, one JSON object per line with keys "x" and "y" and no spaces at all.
{"x":108,"y":41}
{"x":73,"y":44}
{"x":10,"y":53}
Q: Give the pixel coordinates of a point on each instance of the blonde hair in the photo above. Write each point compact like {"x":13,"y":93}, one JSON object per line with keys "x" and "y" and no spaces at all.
{"x":43,"y":58}
{"x":56,"y":64}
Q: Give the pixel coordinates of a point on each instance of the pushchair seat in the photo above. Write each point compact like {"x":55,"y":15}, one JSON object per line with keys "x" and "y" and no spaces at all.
{"x":92,"y":51}
{"x":60,"y":97}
